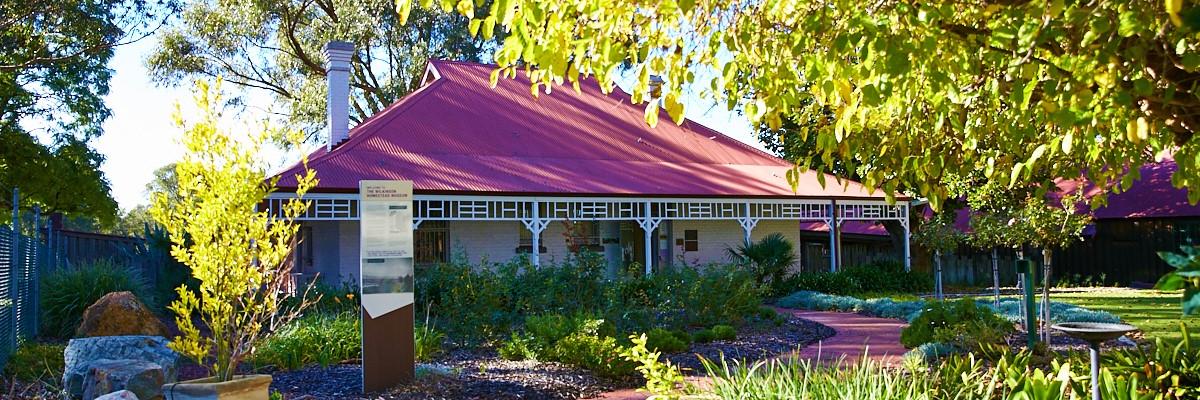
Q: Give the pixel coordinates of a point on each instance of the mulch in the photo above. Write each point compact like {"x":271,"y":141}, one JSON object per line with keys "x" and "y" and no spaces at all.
{"x":481,"y":374}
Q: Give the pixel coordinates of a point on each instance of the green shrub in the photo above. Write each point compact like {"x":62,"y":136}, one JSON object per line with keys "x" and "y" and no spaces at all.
{"x":957,"y":320}
{"x":724,"y":332}
{"x":1169,"y":368}
{"x":518,"y":347}
{"x":482,"y":303}
{"x":36,"y":362}
{"x":315,"y":338}
{"x":599,"y":354}
{"x":888,"y":276}
{"x":427,"y":342}
{"x":659,"y":339}
{"x":824,"y":282}
{"x":67,"y":292}
{"x":703,"y":336}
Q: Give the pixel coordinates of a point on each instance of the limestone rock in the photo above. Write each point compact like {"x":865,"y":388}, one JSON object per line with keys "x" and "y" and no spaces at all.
{"x":80,"y":353}
{"x":145,"y":379}
{"x":119,"y":395}
{"x":119,"y":314}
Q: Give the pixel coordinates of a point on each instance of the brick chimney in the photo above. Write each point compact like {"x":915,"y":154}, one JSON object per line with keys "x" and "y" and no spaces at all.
{"x":337,"y":105}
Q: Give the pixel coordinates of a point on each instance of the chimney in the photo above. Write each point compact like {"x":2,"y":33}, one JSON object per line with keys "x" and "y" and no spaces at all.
{"x":337,"y":104}
{"x":656,"y":83}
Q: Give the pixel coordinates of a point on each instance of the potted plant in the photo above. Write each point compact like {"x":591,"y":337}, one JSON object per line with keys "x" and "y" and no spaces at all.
{"x":239,"y":255}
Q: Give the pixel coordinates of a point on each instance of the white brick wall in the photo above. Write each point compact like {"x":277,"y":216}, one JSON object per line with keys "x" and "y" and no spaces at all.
{"x":336,"y":243}
{"x":716,"y":236}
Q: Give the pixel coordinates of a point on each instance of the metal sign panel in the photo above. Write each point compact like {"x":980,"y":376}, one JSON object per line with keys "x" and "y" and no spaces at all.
{"x":386,"y":269}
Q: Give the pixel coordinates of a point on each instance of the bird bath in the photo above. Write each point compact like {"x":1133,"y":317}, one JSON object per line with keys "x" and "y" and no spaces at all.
{"x":1094,"y":333}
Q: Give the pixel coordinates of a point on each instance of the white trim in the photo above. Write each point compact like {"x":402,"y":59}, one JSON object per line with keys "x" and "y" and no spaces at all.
{"x":430,"y":72}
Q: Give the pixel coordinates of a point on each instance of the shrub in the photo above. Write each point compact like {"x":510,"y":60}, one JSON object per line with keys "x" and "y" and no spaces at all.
{"x":546,"y":330}
{"x":322,"y":339}
{"x":1170,"y":369}
{"x":888,"y":276}
{"x":599,"y":354}
{"x":724,"y":332}
{"x":929,"y":353}
{"x":518,"y":347}
{"x":962,"y":321}
{"x":427,"y":342}
{"x":769,"y":258}
{"x":659,"y":339}
{"x":703,"y":336}
{"x":36,"y":361}
{"x":67,"y":292}
{"x":824,"y":282}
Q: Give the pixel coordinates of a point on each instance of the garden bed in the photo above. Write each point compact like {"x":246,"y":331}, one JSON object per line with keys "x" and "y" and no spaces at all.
{"x":482,"y":374}
{"x":753,"y":344}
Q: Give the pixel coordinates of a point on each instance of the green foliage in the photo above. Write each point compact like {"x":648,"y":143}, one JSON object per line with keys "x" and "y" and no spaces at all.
{"x":427,"y":342}
{"x":480,"y":303}
{"x":880,"y":276}
{"x":703,"y":336}
{"x":67,"y":292}
{"x":666,"y":341}
{"x":961,"y":321}
{"x":1170,"y":369}
{"x":662,"y":378}
{"x":724,"y":332}
{"x":599,"y":354}
{"x":1186,"y":276}
{"x":780,"y":379}
{"x":276,"y":47}
{"x":769,"y":258}
{"x":913,"y":95}
{"x":54,"y":76}
{"x":316,"y":338}
{"x":36,"y":362}
{"x":239,"y":252}
{"x":546,"y":330}
{"x":518,"y":347}
{"x":939,"y":233}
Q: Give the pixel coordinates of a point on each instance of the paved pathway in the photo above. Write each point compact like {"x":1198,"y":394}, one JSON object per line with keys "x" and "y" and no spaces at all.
{"x":854,"y":332}
{"x":879,"y":338}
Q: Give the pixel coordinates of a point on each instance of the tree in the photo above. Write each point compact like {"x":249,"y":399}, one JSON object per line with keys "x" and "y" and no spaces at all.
{"x":53,"y":77}
{"x":930,"y":90}
{"x":939,"y":235}
{"x":240,"y":255}
{"x":275,"y":46}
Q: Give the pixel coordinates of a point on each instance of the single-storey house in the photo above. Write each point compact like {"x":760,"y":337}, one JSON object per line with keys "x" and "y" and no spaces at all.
{"x":498,"y":173}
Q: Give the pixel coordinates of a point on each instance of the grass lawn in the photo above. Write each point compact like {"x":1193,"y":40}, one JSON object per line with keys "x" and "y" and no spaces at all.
{"x":1156,"y":313}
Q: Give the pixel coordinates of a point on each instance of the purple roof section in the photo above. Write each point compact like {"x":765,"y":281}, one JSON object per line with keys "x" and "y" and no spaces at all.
{"x":458,"y":135}
{"x":1152,"y":196}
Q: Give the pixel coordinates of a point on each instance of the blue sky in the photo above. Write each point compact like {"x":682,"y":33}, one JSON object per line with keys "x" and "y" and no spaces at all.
{"x":139,"y":137}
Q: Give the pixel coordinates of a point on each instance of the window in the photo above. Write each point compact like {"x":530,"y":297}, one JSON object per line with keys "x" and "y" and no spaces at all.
{"x":429,"y":243}
{"x":303,"y":251}
{"x":691,"y":240}
{"x":525,"y":243}
{"x":580,"y":235}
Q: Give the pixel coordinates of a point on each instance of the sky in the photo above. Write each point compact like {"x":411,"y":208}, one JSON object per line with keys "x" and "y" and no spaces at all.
{"x":139,"y":137}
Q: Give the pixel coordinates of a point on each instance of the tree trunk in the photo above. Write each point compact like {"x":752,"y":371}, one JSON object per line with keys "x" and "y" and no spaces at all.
{"x":937,"y":262}
{"x":1047,"y":254}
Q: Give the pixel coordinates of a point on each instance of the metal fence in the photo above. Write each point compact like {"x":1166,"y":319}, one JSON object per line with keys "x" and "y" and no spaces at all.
{"x":20,"y":264}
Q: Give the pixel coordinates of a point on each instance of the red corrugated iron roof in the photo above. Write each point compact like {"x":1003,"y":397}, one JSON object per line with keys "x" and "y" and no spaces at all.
{"x":458,"y":135}
{"x":1152,"y":196}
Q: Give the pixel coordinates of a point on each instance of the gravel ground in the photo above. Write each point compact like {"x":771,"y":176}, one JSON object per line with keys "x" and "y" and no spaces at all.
{"x":470,"y":374}
{"x":753,"y":345}
{"x":462,"y":374}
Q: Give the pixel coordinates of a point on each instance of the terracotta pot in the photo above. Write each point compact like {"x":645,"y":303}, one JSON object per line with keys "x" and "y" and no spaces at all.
{"x":242,"y":387}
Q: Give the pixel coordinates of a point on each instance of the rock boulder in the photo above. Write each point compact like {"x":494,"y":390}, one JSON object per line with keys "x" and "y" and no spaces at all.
{"x":119,"y":314}
{"x":80,"y":354}
{"x":119,"y":395}
{"x":145,"y":379}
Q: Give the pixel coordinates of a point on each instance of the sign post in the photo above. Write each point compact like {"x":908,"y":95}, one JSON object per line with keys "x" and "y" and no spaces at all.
{"x":386,"y":282}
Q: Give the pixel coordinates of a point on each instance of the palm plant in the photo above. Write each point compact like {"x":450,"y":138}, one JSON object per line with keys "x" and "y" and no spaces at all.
{"x":769,"y":257}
